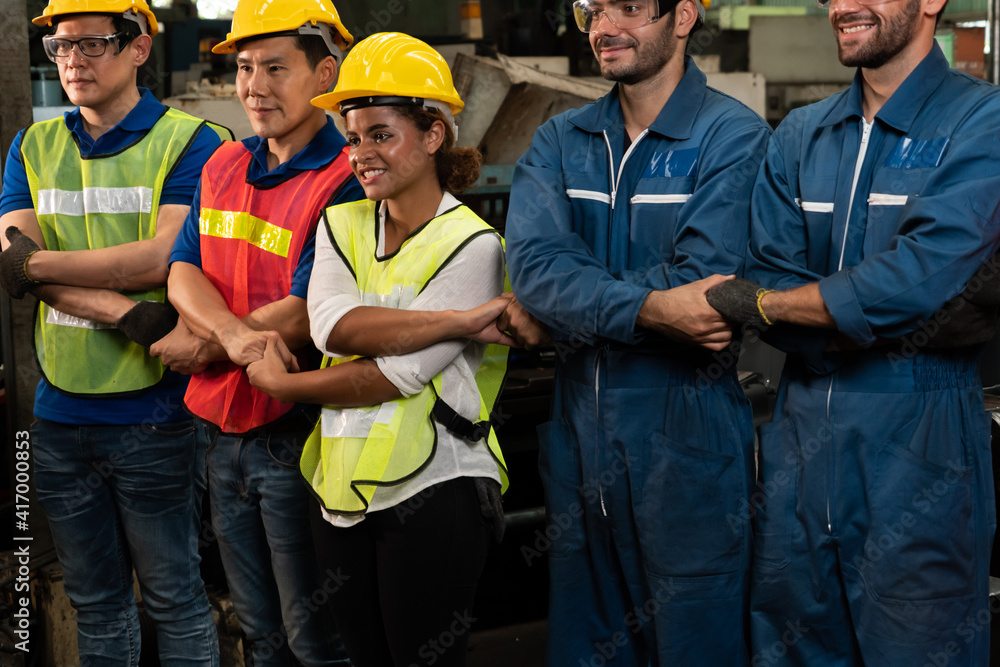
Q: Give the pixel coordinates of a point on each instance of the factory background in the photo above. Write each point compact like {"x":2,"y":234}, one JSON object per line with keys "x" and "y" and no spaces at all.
{"x":516,"y":63}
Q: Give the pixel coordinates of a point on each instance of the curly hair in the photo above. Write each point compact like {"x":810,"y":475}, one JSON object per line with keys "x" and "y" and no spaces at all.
{"x":457,"y":166}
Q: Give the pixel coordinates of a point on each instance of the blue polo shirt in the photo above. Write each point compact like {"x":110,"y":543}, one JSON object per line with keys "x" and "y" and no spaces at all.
{"x":318,"y":153}
{"x":164,"y":401}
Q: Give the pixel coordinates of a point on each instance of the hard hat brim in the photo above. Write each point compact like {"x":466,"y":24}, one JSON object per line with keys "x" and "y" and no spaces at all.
{"x":331,"y":101}
{"x":45,"y":20}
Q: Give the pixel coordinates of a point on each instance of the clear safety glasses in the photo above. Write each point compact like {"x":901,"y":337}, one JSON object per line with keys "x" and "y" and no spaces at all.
{"x":624,"y":14}
{"x":58,"y":49}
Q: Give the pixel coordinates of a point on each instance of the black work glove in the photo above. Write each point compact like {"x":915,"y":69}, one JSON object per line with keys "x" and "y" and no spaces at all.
{"x":958,"y":323}
{"x":983,"y":288}
{"x":737,"y":300}
{"x":147,"y":322}
{"x":490,"y":504}
{"x":13,"y":261}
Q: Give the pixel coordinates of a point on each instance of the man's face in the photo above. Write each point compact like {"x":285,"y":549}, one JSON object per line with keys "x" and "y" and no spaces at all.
{"x":634,"y":55}
{"x":870,"y":35}
{"x":275,"y":83}
{"x":99,"y":81}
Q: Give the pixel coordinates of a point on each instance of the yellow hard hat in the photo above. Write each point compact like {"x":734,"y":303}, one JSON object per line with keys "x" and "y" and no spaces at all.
{"x":123,"y":7}
{"x":254,"y":18}
{"x":392,"y":65}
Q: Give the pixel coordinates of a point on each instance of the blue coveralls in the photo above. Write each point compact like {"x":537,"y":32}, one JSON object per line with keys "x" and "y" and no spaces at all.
{"x":650,"y":446}
{"x":873,"y":543}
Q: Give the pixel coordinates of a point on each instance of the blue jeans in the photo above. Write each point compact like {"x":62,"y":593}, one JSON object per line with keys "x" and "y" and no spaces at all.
{"x":260,"y":514}
{"x":124,"y":497}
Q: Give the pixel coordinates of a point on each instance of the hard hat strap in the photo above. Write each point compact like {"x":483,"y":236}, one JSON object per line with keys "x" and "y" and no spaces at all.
{"x":379,"y":101}
{"x":322,"y":30}
{"x":400,"y":101}
{"x":446,"y":112}
{"x":133,"y":15}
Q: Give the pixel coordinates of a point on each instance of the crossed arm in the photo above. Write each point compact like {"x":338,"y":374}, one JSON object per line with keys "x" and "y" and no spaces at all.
{"x":558,"y":278}
{"x":801,"y":305}
{"x":88,"y":283}
{"x":402,"y":348}
{"x":208,"y":331}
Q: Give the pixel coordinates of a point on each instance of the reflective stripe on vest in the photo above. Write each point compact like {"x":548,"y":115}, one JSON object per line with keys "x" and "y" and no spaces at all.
{"x":78,"y":356}
{"x":353,"y":451}
{"x":250,"y":247}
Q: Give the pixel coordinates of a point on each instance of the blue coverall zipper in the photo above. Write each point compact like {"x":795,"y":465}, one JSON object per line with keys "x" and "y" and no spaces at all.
{"x":615,"y":180}
{"x":866,"y":129}
{"x":597,"y":420}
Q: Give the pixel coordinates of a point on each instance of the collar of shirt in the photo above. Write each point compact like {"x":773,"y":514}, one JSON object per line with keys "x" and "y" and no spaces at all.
{"x":136,"y":123}
{"x":676,"y":119}
{"x":319,"y":152}
{"x":448,"y":202}
{"x":901,"y":110}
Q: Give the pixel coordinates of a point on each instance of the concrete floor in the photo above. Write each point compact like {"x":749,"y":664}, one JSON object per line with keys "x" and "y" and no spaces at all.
{"x":520,"y":645}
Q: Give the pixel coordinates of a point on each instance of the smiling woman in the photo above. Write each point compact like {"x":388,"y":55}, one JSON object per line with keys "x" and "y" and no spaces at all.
{"x":404,"y":460}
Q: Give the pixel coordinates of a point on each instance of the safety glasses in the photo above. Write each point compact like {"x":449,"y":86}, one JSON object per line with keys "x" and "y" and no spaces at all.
{"x":624,"y":14}
{"x":58,"y":49}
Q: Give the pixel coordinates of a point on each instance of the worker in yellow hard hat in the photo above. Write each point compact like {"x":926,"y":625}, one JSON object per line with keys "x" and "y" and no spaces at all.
{"x":90,"y":206}
{"x":240,"y":268}
{"x":308,"y":17}
{"x":405,"y":460}
{"x":137,"y":11}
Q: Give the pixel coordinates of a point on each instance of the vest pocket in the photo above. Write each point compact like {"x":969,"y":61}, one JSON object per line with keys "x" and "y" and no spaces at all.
{"x":884,"y":213}
{"x":655,"y":206}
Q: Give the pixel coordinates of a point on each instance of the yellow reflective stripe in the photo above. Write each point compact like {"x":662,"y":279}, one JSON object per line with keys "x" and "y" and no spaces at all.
{"x":243,"y":226}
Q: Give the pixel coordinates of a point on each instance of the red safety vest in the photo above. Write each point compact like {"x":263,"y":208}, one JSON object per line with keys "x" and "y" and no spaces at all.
{"x":251,"y":241}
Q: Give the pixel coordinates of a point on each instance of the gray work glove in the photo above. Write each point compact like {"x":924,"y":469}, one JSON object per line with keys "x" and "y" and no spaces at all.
{"x":738,"y":300}
{"x":13,"y":263}
{"x":490,"y":504}
{"x":147,"y":322}
{"x":959,"y":322}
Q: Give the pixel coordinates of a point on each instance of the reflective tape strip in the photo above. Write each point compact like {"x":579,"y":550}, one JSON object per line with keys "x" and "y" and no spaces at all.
{"x":95,"y":200}
{"x":659,"y":199}
{"x":589,"y":194}
{"x":875,"y":199}
{"x":815,"y":206}
{"x":355,"y":422}
{"x":399,"y":297}
{"x":63,"y":320}
{"x":385,"y":413}
{"x":245,"y":227}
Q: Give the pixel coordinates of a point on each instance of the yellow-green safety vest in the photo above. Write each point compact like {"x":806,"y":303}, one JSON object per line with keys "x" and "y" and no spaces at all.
{"x":99,"y":202}
{"x":353,"y":451}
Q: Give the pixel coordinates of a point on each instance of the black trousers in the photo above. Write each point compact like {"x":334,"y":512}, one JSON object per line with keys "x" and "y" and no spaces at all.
{"x":408,"y":577}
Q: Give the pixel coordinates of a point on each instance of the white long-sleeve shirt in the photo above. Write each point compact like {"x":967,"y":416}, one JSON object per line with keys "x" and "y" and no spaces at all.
{"x":473,"y":277}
